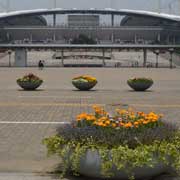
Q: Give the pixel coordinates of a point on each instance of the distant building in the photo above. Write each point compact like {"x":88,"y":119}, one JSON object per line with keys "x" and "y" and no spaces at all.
{"x":125,"y":27}
{"x":83,"y":20}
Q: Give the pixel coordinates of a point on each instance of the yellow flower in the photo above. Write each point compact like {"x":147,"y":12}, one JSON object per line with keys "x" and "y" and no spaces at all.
{"x":114,"y":125}
{"x":86,"y":77}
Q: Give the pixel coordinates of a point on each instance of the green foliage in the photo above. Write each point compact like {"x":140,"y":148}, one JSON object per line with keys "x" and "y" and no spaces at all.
{"x":30,"y":78}
{"x":121,"y":156}
{"x":142,"y":80}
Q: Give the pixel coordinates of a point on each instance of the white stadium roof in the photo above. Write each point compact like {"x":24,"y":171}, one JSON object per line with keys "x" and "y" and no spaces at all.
{"x":91,"y":10}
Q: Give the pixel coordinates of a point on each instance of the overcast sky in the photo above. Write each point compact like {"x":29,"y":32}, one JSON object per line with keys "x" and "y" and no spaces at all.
{"x":152,"y":5}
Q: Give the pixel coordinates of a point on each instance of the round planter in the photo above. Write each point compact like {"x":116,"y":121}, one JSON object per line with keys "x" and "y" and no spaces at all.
{"x":26,"y":85}
{"x":140,"y":86}
{"x":83,"y":86}
{"x":90,"y":165}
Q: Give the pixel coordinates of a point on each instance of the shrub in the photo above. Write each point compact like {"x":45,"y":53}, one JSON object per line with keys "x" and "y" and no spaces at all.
{"x":30,"y":78}
{"x":141,"y":79}
{"x":132,"y":139}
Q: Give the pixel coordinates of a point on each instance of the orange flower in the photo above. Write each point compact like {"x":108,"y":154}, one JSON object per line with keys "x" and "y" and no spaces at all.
{"x":145,"y":122}
{"x":128,"y":125}
{"x":107,"y":122}
{"x":81,"y":116}
{"x":121,"y":124}
{"x":90,"y":117}
{"x":123,"y":118}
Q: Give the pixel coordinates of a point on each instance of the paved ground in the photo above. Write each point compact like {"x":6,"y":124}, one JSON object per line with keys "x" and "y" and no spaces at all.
{"x":58,"y":101}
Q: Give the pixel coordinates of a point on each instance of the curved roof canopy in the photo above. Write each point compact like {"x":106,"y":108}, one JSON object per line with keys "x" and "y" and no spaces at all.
{"x":91,"y":11}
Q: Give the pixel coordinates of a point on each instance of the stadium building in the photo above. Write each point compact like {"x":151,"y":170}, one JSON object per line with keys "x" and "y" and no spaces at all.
{"x":124,"y":26}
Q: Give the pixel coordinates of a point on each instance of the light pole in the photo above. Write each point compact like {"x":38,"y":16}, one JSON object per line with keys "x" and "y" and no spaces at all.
{"x":171,"y":51}
{"x":9,"y":53}
{"x":157,"y":55}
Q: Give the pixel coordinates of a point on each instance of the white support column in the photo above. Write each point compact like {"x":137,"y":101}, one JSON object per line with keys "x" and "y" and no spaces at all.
{"x":20,"y":58}
{"x":159,"y":37}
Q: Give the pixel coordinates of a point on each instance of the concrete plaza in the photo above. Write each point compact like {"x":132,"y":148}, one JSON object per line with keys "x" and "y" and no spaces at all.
{"x":26,"y":117}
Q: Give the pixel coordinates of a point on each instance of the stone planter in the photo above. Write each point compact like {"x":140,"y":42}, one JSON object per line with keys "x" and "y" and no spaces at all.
{"x":140,"y":85}
{"x":90,"y":165}
{"x":83,"y":86}
{"x":28,"y":85}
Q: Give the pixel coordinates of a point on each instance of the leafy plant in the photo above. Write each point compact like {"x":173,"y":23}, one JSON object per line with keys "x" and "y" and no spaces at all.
{"x":141,"y":79}
{"x":84,"y":82}
{"x":118,"y":145}
{"x":85,"y":78}
{"x":30,"y":78}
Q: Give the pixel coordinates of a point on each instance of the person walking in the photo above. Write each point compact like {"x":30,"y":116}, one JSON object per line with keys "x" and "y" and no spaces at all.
{"x":40,"y":65}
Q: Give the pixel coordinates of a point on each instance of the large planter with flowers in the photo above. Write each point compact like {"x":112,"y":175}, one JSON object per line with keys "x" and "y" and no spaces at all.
{"x":29,"y":82}
{"x":126,"y":145}
{"x":90,"y":165}
{"x":140,"y":84}
{"x":84,"y":83}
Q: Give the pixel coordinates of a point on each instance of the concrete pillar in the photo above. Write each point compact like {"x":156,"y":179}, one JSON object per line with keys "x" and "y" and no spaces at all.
{"x":62,"y":57}
{"x":159,"y":37}
{"x":54,"y":20}
{"x":8,"y":36}
{"x":54,"y":37}
{"x":31,"y":38}
{"x":112,"y":20}
{"x":135,"y":38}
{"x":157,"y":64}
{"x":112,"y":37}
{"x":145,"y":57}
{"x":157,"y":51}
{"x":111,"y":53}
{"x":20,"y":58}
{"x":9,"y":53}
{"x":103,"y":53}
